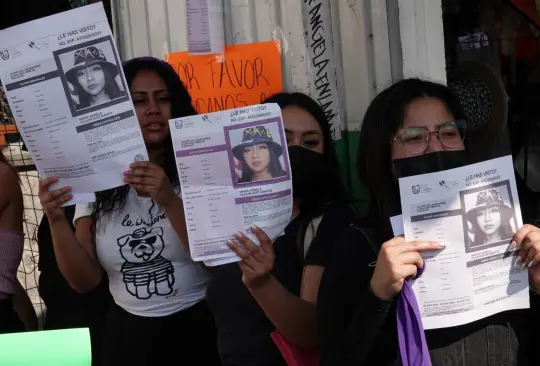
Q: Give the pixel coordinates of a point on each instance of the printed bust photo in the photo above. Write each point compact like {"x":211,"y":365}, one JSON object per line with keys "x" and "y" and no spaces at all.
{"x":489,"y":217}
{"x":258,"y":153}
{"x":91,"y":76}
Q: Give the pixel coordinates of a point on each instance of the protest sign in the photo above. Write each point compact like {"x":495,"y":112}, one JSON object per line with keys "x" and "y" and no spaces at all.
{"x":244,"y":75}
{"x":70,"y":347}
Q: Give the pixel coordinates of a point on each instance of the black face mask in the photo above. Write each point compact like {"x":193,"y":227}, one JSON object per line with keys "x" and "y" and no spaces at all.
{"x":428,"y":163}
{"x":309,"y":171}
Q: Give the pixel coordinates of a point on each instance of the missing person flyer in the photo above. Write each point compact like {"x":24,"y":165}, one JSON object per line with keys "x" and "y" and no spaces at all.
{"x":234,"y":173}
{"x":474,"y":210}
{"x":64,"y":83}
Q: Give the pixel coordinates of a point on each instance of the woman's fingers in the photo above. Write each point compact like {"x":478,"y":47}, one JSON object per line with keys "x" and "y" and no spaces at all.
{"x":419,"y":246}
{"x":266,"y":242}
{"x":408,"y":271}
{"x":530,"y":247}
{"x":243,"y":254}
{"x":45,"y":183}
{"x":52,"y":196}
{"x":521,"y":234}
{"x":412,"y":258}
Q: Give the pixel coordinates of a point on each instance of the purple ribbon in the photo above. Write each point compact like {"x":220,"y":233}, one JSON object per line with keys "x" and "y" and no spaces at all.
{"x":413,"y":349}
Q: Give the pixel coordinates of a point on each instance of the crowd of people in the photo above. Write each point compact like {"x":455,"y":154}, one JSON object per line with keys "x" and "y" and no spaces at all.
{"x":328,"y":283}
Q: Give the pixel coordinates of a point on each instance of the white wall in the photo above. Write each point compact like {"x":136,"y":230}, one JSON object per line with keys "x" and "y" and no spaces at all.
{"x":357,"y":31}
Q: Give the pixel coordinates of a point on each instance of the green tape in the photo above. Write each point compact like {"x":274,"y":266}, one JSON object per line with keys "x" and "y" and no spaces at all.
{"x":346,"y":150}
{"x":69,"y":347}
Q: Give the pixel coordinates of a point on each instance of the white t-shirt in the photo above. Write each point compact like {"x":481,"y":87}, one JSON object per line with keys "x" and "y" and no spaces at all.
{"x":150,"y":272}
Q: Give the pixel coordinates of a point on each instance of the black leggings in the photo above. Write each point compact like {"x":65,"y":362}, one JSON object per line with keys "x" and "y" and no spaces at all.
{"x":9,"y":320}
{"x":185,"y":338}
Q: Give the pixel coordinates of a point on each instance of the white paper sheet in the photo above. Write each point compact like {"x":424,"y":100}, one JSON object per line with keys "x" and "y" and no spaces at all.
{"x":78,"y":122}
{"x":206,"y":32}
{"x":475,"y":211}
{"x":220,"y":197}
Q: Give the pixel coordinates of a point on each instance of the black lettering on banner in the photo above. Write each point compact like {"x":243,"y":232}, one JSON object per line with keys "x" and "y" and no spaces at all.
{"x":231,"y":74}
{"x":320,"y":61}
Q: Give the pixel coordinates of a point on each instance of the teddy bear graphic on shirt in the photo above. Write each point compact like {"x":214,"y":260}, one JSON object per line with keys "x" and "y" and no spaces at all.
{"x":146,"y":272}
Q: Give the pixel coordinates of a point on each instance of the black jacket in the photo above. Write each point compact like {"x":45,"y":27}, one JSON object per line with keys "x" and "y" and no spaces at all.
{"x":357,"y":328}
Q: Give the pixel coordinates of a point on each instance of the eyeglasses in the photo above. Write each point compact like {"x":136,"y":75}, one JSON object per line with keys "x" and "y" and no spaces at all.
{"x":416,"y":139}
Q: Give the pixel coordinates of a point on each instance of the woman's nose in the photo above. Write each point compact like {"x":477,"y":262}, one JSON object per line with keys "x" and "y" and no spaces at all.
{"x":434,"y":145}
{"x":487,"y":218}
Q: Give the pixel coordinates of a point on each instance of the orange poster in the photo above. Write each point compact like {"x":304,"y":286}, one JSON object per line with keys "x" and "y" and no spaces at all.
{"x":244,"y":75}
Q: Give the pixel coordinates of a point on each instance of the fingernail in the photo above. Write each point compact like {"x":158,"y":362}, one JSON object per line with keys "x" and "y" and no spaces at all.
{"x":255,"y":228}
{"x":126,"y":172}
{"x":238,"y":235}
{"x":230,"y":242}
{"x":518,"y":262}
{"x":524,"y":265}
{"x":532,"y":263}
{"x":513,"y":245}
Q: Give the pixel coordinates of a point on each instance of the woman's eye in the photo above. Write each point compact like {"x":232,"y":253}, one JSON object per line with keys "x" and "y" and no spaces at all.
{"x":96,"y":68}
{"x":138,"y":101}
{"x":311,"y":143}
{"x":80,"y":74}
{"x":262,"y":147}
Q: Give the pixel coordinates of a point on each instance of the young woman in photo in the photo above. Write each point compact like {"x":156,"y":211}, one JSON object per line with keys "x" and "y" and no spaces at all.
{"x":93,"y":78}
{"x":259,"y":155}
{"x":490,"y":219}
{"x":275,"y":285}
{"x":135,"y":235}
{"x":413,"y":126}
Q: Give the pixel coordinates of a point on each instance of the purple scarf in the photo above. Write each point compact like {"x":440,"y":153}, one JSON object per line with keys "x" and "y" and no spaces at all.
{"x":413,"y":350}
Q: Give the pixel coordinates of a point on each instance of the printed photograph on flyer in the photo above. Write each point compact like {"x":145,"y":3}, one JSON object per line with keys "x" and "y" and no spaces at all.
{"x":91,"y":74}
{"x":258,"y":153}
{"x":489,"y":216}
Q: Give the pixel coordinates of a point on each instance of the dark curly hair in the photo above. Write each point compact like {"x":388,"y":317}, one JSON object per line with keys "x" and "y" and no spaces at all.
{"x":181,"y":106}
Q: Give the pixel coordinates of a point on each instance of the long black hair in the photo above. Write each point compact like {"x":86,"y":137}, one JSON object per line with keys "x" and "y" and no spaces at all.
{"x":111,"y":89}
{"x":383,"y":118}
{"x":334,"y":190}
{"x":115,"y":199}
{"x":274,"y":167}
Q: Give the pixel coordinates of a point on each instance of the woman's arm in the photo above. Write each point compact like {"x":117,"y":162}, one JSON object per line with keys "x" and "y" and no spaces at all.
{"x":75,"y":253}
{"x":350,"y":316}
{"x":24,"y":309}
{"x":295,"y":317}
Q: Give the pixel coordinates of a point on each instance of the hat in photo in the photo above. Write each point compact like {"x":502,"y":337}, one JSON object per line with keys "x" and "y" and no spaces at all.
{"x":486,"y":199}
{"x":254,"y":136}
{"x":87,"y":57}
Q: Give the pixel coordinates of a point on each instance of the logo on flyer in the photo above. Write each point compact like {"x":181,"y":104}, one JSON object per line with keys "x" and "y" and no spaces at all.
{"x":178,"y":124}
{"x":4,"y":54}
{"x":416,"y":189}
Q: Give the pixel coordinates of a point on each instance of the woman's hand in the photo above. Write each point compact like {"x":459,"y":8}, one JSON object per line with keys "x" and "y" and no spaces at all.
{"x":150,"y":179}
{"x":527,"y":239}
{"x":397,"y":261}
{"x":257,"y":261}
{"x":52,"y":200}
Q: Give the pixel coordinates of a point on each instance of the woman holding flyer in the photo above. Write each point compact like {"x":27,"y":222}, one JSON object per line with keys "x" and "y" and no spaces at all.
{"x":134,"y":233}
{"x":275,"y":285}
{"x":415,"y":126}
{"x":16,"y":310}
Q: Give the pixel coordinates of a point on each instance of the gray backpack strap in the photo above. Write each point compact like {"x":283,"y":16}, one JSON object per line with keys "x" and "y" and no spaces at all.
{"x":311,"y":231}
